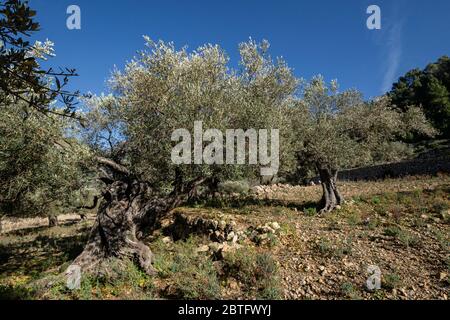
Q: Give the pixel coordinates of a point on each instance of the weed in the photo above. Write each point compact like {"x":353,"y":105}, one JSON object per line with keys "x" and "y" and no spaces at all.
{"x":333,"y":222}
{"x":278,"y":211}
{"x":310,"y":212}
{"x":406,"y":238}
{"x":324,"y":247}
{"x":392,"y":231}
{"x":354,"y":218}
{"x":442,"y":238}
{"x":272,"y":240}
{"x":391,"y":281}
{"x":13,"y":292}
{"x":257,"y":271}
{"x":334,"y":250}
{"x":191,"y":275}
{"x":350,"y":292}
{"x":376,"y":200}
{"x":440,"y":206}
{"x":288,"y":229}
{"x":373,"y":222}
{"x":345,"y":248}
{"x":121,"y":279}
{"x":194,"y":279}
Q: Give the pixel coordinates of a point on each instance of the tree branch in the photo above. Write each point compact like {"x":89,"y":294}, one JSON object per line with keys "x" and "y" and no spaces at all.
{"x":113,"y":165}
{"x":93,"y":206}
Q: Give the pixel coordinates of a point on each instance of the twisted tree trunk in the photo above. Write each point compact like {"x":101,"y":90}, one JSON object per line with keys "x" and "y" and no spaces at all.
{"x":116,"y":229}
{"x":52,"y":221}
{"x":331,"y":196}
{"x":128,"y":209}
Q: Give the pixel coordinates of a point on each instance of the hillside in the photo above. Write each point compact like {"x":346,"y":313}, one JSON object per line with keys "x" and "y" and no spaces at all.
{"x":271,"y":244}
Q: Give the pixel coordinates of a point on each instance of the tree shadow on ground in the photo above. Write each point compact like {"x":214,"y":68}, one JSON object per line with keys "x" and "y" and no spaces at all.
{"x":15,"y":293}
{"x":252,"y":201}
{"x":43,"y":253}
{"x":35,"y":229}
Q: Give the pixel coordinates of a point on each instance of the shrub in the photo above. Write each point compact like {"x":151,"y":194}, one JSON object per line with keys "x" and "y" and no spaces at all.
{"x":439,"y":206}
{"x":334,"y":250}
{"x":354,"y":218}
{"x":392,"y":231}
{"x":115,"y":279}
{"x":310,"y":212}
{"x":257,"y":271}
{"x":406,"y":238}
{"x":376,"y":200}
{"x":234,"y":187}
{"x":191,"y":275}
{"x":391,"y":281}
{"x":194,"y":279}
{"x":350,"y":292}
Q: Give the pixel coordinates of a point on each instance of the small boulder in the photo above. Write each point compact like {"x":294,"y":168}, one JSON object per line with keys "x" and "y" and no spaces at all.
{"x":215,"y":247}
{"x":202,"y":249}
{"x":230,"y":236}
{"x":275,"y":226}
{"x":167,"y":240}
{"x":222,"y":225}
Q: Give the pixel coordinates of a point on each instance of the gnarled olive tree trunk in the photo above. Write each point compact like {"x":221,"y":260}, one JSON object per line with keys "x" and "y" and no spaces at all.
{"x":53,"y":220}
{"x":331,"y":197}
{"x":128,"y":209}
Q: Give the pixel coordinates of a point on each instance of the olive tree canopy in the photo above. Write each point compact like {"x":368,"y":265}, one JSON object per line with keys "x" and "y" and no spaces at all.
{"x":42,"y":165}
{"x":335,"y":130}
{"x":162,"y":90}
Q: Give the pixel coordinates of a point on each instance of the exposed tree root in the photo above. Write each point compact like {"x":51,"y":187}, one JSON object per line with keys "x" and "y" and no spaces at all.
{"x":115,"y":233}
{"x":53,"y":221}
{"x":128,"y":210}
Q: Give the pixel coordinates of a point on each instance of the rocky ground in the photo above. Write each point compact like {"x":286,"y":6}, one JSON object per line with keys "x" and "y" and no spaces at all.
{"x":273,"y":244}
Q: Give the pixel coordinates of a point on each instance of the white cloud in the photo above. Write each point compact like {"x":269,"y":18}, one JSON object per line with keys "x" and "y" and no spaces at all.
{"x":393,"y":56}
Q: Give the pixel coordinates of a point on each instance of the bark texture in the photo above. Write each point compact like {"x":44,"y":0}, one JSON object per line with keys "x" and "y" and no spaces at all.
{"x":331,"y":196}
{"x":128,"y":210}
{"x":115,"y":232}
{"x":52,"y":221}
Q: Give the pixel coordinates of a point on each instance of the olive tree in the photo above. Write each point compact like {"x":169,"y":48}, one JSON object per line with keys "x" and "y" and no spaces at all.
{"x":22,"y":79}
{"x":335,"y":130}
{"x":42,"y":166}
{"x":36,"y":168}
{"x":160,"y":91}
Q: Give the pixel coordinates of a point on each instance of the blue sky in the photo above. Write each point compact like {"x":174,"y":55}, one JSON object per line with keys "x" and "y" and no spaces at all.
{"x":321,"y":36}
